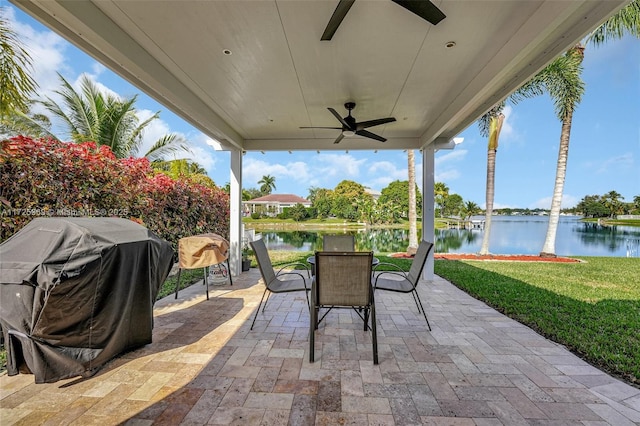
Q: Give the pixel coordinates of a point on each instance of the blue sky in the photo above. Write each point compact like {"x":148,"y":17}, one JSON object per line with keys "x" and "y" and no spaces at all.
{"x":604,"y":154}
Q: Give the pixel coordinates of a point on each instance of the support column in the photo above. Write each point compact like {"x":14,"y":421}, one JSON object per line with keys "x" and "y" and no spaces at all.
{"x":428,"y":207}
{"x":235,"y":212}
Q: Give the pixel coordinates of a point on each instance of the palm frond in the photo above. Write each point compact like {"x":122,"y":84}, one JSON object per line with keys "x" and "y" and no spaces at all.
{"x":626,"y":21}
{"x":16,"y":83}
{"x":484,"y":122}
{"x":167,"y":144}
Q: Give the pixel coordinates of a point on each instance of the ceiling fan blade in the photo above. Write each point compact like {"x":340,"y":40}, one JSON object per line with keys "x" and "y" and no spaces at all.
{"x":339,"y":138}
{"x":337,"y":17}
{"x":364,"y":124}
{"x":340,"y":119}
{"x":424,"y":9}
{"x":332,"y":128}
{"x":368,"y":134}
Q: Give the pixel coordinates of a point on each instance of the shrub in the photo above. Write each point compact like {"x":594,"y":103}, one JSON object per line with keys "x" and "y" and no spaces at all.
{"x":44,"y":177}
{"x":255,"y":215}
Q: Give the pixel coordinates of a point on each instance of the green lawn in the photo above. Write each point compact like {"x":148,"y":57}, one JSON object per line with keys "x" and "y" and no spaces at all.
{"x":593,"y":308}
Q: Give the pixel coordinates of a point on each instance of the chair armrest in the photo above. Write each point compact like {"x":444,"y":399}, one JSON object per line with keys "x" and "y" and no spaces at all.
{"x":399,"y":272}
{"x":304,"y":280}
{"x":304,"y":265}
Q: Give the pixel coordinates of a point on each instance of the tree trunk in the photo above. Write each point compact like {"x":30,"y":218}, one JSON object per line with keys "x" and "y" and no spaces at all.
{"x":495,"y":126}
{"x":491,"y":171}
{"x":549,"y":247}
{"x":413,"y":223}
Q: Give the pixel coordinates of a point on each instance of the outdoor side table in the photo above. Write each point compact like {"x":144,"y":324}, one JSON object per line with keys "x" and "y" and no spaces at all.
{"x":203,"y":251}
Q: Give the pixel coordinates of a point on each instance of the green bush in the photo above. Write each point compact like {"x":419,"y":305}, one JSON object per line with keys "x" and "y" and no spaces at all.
{"x":44,"y":177}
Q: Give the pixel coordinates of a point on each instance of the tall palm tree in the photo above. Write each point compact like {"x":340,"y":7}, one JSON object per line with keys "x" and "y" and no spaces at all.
{"x":490,"y":125}
{"x":268,"y":184}
{"x":91,"y":115}
{"x":16,"y":84}
{"x":440,"y":193}
{"x":413,"y":221}
{"x":567,"y":95}
{"x":470,"y":209}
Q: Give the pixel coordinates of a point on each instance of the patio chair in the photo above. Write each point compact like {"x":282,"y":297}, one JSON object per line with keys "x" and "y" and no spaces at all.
{"x":388,"y":280}
{"x":338,"y":243}
{"x":272,"y":280}
{"x":343,"y":280}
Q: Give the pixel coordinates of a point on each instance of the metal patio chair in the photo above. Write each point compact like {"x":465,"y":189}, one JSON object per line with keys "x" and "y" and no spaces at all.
{"x":343,"y":280}
{"x":273,"y":280}
{"x":338,"y":243}
{"x":387,"y":280}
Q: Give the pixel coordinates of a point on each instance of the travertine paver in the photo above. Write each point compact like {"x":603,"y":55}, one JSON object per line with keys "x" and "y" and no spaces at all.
{"x":205,"y":366}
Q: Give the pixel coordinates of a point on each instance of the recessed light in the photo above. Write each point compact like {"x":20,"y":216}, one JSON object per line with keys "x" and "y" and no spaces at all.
{"x":450,"y":44}
{"x":226,"y":52}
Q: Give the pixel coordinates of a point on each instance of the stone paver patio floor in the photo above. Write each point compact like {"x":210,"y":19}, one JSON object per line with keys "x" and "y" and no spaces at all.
{"x":476,"y":367}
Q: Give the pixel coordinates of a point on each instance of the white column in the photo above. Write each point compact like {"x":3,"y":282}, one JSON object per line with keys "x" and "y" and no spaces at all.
{"x":235,"y":212}
{"x":428,"y":206}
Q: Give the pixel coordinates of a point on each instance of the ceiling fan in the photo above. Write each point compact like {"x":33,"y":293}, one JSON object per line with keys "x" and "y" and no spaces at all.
{"x":423,"y":8}
{"x":351,"y":127}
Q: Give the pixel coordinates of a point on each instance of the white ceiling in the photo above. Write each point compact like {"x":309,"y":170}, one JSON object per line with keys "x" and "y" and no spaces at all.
{"x":280,"y":76}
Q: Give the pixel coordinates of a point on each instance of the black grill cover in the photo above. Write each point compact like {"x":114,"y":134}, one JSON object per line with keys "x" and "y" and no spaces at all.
{"x":76,"y":292}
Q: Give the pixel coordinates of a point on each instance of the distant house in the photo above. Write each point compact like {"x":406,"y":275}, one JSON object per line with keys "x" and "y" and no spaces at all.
{"x":273,"y":204}
{"x":375,"y":194}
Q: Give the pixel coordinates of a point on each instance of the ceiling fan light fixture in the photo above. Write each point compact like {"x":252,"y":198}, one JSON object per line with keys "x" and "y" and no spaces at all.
{"x":348,"y":133}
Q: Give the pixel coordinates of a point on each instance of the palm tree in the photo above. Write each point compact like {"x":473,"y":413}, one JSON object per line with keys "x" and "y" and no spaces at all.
{"x":108,"y":120}
{"x":494,"y":119}
{"x":567,"y":92}
{"x":470,"y":208}
{"x":413,"y":221}
{"x":268,"y":184}
{"x":16,"y":84}
{"x":440,"y":193}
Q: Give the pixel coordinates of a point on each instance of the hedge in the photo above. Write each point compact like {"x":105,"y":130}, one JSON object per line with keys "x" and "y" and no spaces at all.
{"x":45,"y":177}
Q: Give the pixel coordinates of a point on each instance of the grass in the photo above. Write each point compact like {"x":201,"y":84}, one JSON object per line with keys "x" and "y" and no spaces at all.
{"x":592,"y":308}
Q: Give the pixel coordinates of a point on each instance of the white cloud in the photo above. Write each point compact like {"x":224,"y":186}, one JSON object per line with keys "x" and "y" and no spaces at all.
{"x":625,"y":160}
{"x":253,"y":170}
{"x":455,"y":156}
{"x":331,"y":165}
{"x":446,"y":165}
{"x":447,"y":175}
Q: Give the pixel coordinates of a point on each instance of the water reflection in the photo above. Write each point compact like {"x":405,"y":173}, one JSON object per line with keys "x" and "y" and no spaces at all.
{"x":509,"y":235}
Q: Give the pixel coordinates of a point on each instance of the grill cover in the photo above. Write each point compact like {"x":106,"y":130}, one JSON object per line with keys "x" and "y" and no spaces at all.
{"x":202,"y":250}
{"x":76,"y":292}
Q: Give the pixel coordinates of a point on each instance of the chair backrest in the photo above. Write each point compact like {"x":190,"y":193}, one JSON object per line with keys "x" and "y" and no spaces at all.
{"x":420,"y":258}
{"x":264,"y":261}
{"x":343,"y":278}
{"x":338,"y":243}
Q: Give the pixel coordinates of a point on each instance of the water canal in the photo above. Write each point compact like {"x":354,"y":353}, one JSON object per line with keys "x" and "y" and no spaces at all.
{"x":509,"y":235}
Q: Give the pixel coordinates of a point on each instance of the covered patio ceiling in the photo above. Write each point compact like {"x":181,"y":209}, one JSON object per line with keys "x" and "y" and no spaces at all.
{"x":251,"y":73}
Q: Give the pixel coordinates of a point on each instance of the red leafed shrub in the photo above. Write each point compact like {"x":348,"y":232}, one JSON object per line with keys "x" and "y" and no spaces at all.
{"x":44,"y":177}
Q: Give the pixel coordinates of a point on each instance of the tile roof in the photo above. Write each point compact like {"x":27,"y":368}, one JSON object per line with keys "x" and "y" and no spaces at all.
{"x":280,"y":198}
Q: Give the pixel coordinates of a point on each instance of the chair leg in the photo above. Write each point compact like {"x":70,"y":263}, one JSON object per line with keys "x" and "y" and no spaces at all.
{"x":229,"y":272}
{"x":374,"y":331}
{"x":420,"y":307}
{"x":366,"y":319}
{"x":178,"y":283}
{"x":265,"y":302}
{"x":258,"y":310}
{"x":206,"y":283}
{"x":313,"y":316}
